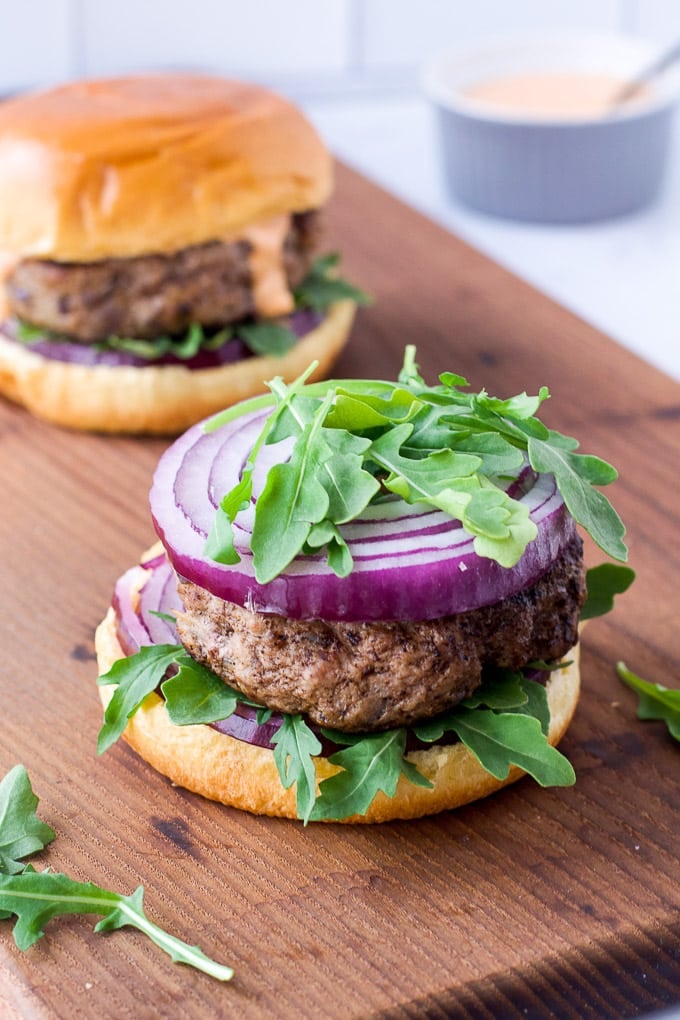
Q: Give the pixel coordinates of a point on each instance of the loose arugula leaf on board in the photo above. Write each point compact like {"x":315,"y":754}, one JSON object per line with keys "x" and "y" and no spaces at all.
{"x":603,"y":583}
{"x":21,"y":831}
{"x":196,"y":695}
{"x":370,"y":764}
{"x":656,"y":701}
{"x":135,"y":677}
{"x":35,"y":897}
{"x":295,"y":746}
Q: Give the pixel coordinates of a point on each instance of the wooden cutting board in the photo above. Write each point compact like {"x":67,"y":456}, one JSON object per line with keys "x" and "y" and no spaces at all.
{"x":560,"y":903}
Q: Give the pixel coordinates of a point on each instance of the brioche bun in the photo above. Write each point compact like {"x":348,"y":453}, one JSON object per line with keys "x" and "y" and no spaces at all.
{"x":120,"y":167}
{"x":157,"y":400}
{"x":244,"y":776}
{"x":156,"y":164}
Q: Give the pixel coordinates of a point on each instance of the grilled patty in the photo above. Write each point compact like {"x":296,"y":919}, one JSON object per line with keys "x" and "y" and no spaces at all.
{"x":374,"y":676}
{"x":152,"y":295}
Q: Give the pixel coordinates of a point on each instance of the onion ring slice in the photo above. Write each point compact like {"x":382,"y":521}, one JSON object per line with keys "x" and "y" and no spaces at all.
{"x":411,"y":562}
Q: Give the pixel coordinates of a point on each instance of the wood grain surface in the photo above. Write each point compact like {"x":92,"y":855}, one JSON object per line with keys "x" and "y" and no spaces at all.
{"x":533,"y":903}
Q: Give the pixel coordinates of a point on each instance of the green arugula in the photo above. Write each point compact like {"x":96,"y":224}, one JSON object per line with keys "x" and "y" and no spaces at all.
{"x":499,"y":740}
{"x":369,"y":764}
{"x":295,"y":747}
{"x":656,"y":701}
{"x":21,"y":831}
{"x":134,"y":678}
{"x":35,"y":897}
{"x":432,"y":444}
{"x":196,"y":695}
{"x":602,"y":584}
{"x":320,"y":289}
{"x":322,"y":286}
{"x":505,"y":722}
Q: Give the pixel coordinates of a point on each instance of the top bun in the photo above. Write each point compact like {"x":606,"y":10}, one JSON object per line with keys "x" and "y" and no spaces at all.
{"x":151,"y":163}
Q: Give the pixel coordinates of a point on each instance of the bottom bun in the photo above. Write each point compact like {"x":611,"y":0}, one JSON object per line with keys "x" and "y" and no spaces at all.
{"x":244,"y":776}
{"x":157,"y":399}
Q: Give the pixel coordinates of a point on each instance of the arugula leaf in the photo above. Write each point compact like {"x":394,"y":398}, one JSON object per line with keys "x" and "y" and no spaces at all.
{"x":499,"y":740}
{"x":656,"y":701}
{"x":267,"y":337}
{"x":369,"y":764}
{"x":503,"y":691}
{"x":21,"y":831}
{"x":196,"y":695}
{"x":35,"y":897}
{"x":135,"y":678}
{"x":576,"y":474}
{"x":423,"y":480}
{"x":220,"y":541}
{"x":536,"y":704}
{"x":184,"y":347}
{"x":219,"y":545}
{"x":327,"y":534}
{"x":295,"y":745}
{"x":292,"y":500}
{"x":603,"y":583}
{"x":501,"y":526}
{"x":320,"y":288}
{"x":521,"y":407}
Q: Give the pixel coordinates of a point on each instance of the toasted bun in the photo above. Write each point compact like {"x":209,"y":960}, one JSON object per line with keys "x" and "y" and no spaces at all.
{"x":158,"y":162}
{"x":162,"y":399}
{"x":244,"y":776}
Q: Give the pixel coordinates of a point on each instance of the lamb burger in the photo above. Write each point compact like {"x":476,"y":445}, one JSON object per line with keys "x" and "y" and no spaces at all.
{"x":365,"y":602}
{"x":160,"y":250}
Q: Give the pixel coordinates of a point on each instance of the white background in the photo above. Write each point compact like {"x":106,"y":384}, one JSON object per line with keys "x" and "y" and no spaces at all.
{"x":353,"y":65}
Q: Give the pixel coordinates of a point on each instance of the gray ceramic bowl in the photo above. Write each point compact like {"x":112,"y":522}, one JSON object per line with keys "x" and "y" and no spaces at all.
{"x":552,"y":170}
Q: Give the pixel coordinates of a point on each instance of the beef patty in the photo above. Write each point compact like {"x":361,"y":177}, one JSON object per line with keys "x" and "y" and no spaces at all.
{"x":152,"y":295}
{"x":373,"y":676}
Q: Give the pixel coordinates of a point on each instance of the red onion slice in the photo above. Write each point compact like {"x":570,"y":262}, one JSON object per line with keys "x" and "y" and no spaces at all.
{"x":142,"y":592}
{"x":411,"y":562}
{"x":300,"y":322}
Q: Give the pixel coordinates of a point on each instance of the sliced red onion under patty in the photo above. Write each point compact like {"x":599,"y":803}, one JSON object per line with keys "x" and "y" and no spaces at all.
{"x":301,"y":322}
{"x":411,"y":562}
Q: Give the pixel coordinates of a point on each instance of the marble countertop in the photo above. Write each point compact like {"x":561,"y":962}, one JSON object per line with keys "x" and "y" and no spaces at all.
{"x":622,"y":276}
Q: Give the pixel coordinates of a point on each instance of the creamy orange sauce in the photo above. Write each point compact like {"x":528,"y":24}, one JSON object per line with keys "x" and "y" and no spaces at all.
{"x":568,"y":95}
{"x":271,"y":293}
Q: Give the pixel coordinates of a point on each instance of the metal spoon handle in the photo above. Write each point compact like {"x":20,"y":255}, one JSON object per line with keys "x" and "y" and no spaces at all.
{"x":657,"y":66}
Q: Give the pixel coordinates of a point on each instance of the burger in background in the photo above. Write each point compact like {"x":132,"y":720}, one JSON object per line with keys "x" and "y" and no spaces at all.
{"x":160,"y":239}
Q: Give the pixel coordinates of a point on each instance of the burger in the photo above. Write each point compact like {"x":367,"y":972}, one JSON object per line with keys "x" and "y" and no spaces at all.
{"x":365,"y":600}
{"x":160,"y":250}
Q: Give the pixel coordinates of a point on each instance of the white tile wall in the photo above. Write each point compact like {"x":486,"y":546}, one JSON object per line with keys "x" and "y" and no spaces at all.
{"x":37,"y":43}
{"x":252,"y":37}
{"x":404,"y":31}
{"x":343,"y":45}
